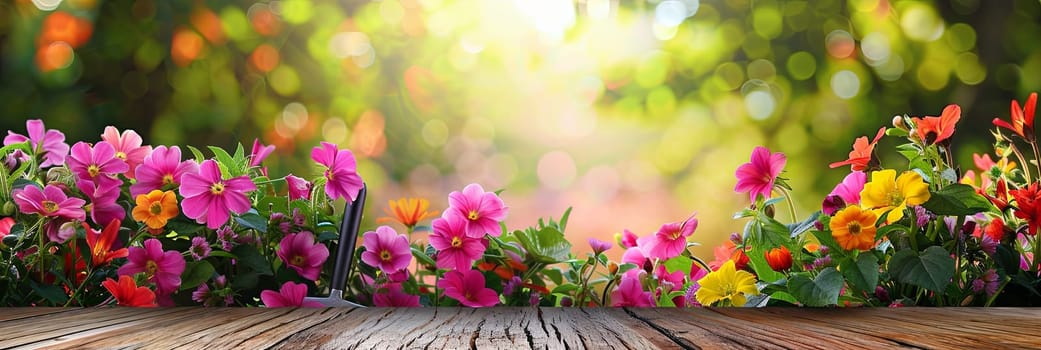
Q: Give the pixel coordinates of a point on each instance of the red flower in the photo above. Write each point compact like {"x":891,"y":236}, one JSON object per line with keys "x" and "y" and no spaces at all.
{"x":1000,"y":197}
{"x":127,"y":292}
{"x":1029,"y":207}
{"x":860,"y":156}
{"x":780,"y":259}
{"x":934,"y":130}
{"x":740,"y":259}
{"x":1022,"y":118}
{"x":100,"y":244}
{"x":995,"y":229}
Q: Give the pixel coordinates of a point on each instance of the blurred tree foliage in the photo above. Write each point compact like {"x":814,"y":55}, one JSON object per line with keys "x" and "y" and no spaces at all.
{"x":431,"y":88}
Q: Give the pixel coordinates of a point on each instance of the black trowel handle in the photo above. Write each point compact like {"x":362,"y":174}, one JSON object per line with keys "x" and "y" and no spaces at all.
{"x":352,"y":213}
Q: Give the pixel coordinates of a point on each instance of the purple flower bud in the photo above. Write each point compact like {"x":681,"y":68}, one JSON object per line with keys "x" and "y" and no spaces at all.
{"x":832,"y":204}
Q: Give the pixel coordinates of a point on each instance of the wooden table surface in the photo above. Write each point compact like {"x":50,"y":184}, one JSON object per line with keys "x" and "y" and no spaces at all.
{"x":519,"y":328}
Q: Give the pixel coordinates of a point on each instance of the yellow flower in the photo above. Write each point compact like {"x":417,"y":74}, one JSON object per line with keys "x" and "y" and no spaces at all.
{"x":408,"y":211}
{"x":155,"y":208}
{"x":854,"y":228}
{"x":726,"y":286}
{"x":887,"y":192}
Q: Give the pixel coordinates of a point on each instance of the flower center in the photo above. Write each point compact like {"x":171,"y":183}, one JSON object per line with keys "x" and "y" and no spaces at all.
{"x":93,"y":170}
{"x":329,"y":175}
{"x":297,"y":260}
{"x":473,"y":215}
{"x":675,"y":235}
{"x":155,"y":208}
{"x":895,"y":198}
{"x":457,"y":242}
{"x":853,"y":227}
{"x":151,"y":267}
{"x":385,"y":255}
{"x":121,"y":155}
{"x":217,"y":188}
{"x":50,"y":206}
{"x":168,"y":179}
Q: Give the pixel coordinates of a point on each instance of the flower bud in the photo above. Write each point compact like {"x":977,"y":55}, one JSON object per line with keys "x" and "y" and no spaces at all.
{"x":779,"y":259}
{"x":8,"y":209}
{"x":898,"y":122}
{"x":566,"y":301}
{"x":612,"y":267}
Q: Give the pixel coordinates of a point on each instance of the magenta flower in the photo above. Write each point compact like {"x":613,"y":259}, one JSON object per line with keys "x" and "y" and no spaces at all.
{"x":850,"y":187}
{"x":599,"y":246}
{"x":341,"y":174}
{"x":259,"y":153}
{"x":200,"y":248}
{"x":468,"y":288}
{"x":482,"y":210}
{"x":128,"y":147}
{"x":635,"y":256}
{"x":670,"y":240}
{"x":49,"y":202}
{"x":290,"y":295}
{"x":103,"y":196}
{"x":298,"y":188}
{"x":455,"y":250}
{"x":300,"y":252}
{"x":93,"y":162}
{"x":758,"y":176}
{"x":59,"y":229}
{"x":162,"y":169}
{"x":210,"y":198}
{"x":393,"y":295}
{"x":163,"y":268}
{"x":629,"y":292}
{"x":48,"y":143}
{"x":628,"y":239}
{"x":386,"y":249}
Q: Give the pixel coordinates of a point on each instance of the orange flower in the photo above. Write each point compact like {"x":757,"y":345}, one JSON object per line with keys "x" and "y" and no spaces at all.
{"x":933,"y":130}
{"x":100,"y":243}
{"x":1022,"y":118}
{"x":854,"y":228}
{"x":155,"y":208}
{"x":779,"y":259}
{"x":860,"y":156}
{"x":127,"y":292}
{"x":408,"y":211}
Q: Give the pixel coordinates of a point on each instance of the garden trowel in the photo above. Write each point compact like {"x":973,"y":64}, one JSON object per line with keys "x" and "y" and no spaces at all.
{"x":352,"y":213}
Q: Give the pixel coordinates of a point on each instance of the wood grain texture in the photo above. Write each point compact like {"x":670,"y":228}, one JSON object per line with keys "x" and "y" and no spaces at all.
{"x":519,"y":328}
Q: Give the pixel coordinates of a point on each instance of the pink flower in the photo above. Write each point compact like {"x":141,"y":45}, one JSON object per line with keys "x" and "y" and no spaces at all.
{"x":757,"y":177}
{"x":482,"y":210}
{"x":200,"y":248}
{"x":290,"y":295}
{"x":298,"y":188}
{"x":386,"y":249}
{"x":468,"y":288}
{"x":259,"y":153}
{"x":455,"y":250}
{"x":103,"y":196}
{"x":670,"y":240}
{"x":162,"y":168}
{"x":393,"y":295}
{"x":209,"y":198}
{"x":300,"y":252}
{"x":635,"y":256}
{"x":5,"y":228}
{"x":628,"y":239}
{"x":850,"y":187}
{"x":48,"y":143}
{"x":341,"y":174}
{"x":599,"y":246}
{"x":128,"y":147}
{"x":163,"y":268}
{"x":629,"y":292}
{"x":50,"y":202}
{"x":96,"y":162}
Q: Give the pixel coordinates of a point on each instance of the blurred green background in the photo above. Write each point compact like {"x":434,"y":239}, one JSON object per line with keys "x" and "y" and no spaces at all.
{"x":634,"y":112}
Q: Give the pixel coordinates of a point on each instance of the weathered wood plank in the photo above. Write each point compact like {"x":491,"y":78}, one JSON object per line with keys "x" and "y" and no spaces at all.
{"x":14,"y":313}
{"x":109,"y":330}
{"x":594,"y":328}
{"x":29,"y":330}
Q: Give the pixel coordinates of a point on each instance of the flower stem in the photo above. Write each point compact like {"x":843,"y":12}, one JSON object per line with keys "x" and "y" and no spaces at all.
{"x":1037,"y":157}
{"x":1019,"y":155}
{"x":791,"y":204}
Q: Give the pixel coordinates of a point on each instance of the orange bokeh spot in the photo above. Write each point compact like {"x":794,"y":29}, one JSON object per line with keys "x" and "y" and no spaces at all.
{"x":61,"y":26}
{"x":54,"y":56}
{"x":208,"y":24}
{"x":186,"y":46}
{"x":368,"y":140}
{"x":265,"y":58}
{"x":264,"y":22}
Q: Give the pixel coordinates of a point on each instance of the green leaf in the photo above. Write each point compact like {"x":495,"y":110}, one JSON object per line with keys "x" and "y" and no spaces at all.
{"x":554,"y":275}
{"x":422,"y":257}
{"x":547,"y":245}
{"x":250,"y":259}
{"x":932,"y":269}
{"x":798,"y":228}
{"x":196,"y":273}
{"x":54,"y":294}
{"x":956,"y":199}
{"x":862,"y":274}
{"x":222,"y":156}
{"x":197,"y":153}
{"x":326,"y":236}
{"x":21,"y":182}
{"x":679,"y":263}
{"x":222,"y":254}
{"x":774,"y":233}
{"x":565,"y":288}
{"x":820,"y":291}
{"x":184,"y":228}
{"x":564,"y":218}
{"x":827,"y":240}
{"x":252,"y":220}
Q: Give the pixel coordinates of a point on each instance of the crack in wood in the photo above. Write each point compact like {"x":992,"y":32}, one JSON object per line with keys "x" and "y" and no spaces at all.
{"x":683,"y":343}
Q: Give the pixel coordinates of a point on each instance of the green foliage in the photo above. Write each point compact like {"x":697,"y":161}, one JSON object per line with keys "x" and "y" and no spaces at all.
{"x":932,"y":269}
{"x":956,"y":199}
{"x":822,"y":290}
